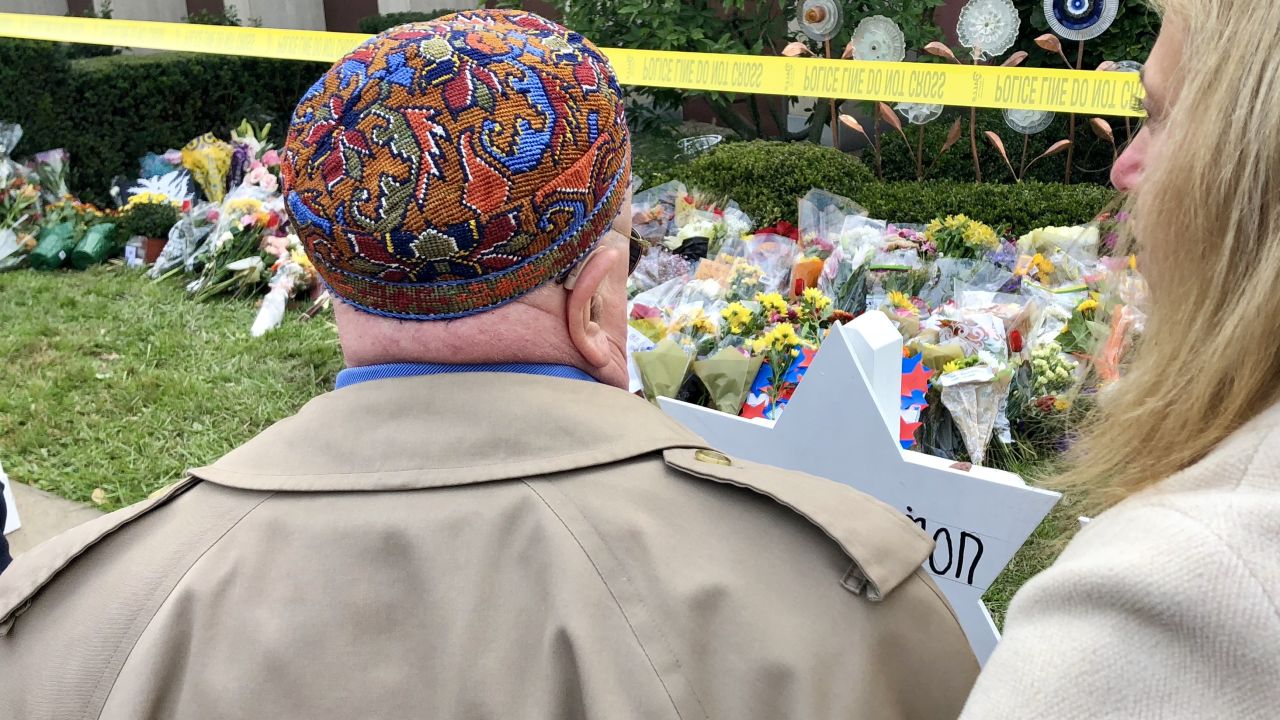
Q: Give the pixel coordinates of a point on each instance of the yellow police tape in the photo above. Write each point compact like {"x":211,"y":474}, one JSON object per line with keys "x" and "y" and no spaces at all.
{"x":1076,"y":91}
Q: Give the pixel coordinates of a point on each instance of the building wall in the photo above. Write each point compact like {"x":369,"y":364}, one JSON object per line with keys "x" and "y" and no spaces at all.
{"x":295,"y":14}
{"x":159,"y":10}
{"x":37,"y":7}
{"x":390,"y":6}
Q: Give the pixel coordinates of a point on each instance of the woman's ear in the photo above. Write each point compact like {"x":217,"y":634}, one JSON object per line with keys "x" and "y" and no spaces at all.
{"x":585,"y":300}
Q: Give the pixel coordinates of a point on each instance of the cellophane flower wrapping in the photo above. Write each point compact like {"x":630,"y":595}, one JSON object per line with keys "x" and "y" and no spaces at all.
{"x":664,"y":369}
{"x":50,"y":168}
{"x":653,"y":211}
{"x":657,"y":266}
{"x":185,"y":238}
{"x":208,"y":159}
{"x":727,"y":375}
{"x":10,"y":135}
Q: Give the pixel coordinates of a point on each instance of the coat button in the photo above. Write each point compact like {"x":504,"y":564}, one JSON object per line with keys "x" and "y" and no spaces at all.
{"x":713,"y":457}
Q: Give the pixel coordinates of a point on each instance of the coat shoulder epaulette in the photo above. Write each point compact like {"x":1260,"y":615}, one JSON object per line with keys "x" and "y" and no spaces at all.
{"x":884,"y":546}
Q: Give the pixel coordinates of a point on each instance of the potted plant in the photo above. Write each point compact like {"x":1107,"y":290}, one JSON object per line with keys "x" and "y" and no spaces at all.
{"x":149,"y":220}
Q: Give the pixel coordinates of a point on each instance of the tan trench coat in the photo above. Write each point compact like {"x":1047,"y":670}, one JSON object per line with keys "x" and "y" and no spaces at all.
{"x":483,"y":546}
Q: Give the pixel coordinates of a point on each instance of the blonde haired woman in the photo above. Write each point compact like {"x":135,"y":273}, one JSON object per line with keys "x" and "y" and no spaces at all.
{"x":1168,"y":604}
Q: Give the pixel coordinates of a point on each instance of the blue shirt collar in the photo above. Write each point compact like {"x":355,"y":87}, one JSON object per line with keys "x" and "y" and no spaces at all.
{"x":353,"y":376}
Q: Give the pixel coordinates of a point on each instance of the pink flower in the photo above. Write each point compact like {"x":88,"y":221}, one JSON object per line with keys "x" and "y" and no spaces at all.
{"x":248,"y":221}
{"x":271,"y":158}
{"x":212,"y":216}
{"x":277,"y":246}
{"x":263,"y":178}
{"x":256,"y":165}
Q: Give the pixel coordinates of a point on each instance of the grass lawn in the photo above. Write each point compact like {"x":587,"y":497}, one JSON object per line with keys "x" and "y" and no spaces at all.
{"x":111,"y":381}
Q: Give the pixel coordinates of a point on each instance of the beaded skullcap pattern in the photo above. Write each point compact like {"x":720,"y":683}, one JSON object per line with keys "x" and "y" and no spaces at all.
{"x":445,"y":168}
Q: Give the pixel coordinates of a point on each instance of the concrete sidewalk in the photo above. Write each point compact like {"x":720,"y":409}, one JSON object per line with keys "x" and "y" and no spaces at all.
{"x":43,"y":516}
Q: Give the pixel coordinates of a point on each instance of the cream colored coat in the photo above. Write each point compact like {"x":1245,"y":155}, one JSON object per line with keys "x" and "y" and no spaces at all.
{"x":1167,"y":606}
{"x":483,"y":546}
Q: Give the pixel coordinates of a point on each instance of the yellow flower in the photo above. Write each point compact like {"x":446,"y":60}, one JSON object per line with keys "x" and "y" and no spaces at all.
{"x":150,"y":198}
{"x":772,"y":302}
{"x":1087,"y":306}
{"x":1042,"y":265}
{"x":782,"y":338}
{"x":1133,"y":262}
{"x":737,"y":316}
{"x":900,"y":301}
{"x":953,"y":366}
{"x":1062,"y":404}
{"x":694,"y":322}
{"x":978,"y":234}
{"x":816,"y":299}
{"x":244,"y":206}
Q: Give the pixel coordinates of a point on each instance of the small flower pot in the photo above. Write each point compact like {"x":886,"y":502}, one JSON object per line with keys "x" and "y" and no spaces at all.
{"x":151,"y":249}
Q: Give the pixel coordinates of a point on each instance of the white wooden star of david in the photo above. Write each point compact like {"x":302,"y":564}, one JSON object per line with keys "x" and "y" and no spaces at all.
{"x":842,"y":424}
{"x":12,"y":522}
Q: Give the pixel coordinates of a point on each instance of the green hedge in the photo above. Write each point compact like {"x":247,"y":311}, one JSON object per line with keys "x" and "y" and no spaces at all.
{"x":1092,"y":163}
{"x":766,"y":178}
{"x":32,"y":75}
{"x":1018,"y":208}
{"x":375,"y":24}
{"x":110,"y":111}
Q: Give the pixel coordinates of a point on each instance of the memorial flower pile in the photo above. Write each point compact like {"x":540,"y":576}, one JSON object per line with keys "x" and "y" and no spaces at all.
{"x":1016,"y":332}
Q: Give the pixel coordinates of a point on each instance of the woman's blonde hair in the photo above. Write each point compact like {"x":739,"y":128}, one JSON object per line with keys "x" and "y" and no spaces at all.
{"x":1207,"y":227}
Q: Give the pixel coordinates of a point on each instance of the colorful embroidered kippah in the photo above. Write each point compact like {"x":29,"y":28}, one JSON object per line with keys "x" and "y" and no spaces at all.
{"x":445,"y":168}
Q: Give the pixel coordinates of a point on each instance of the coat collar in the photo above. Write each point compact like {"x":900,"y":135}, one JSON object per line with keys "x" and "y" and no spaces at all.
{"x":443,"y":430}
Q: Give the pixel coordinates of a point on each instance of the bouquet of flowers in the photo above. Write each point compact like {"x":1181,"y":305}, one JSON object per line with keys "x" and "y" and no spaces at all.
{"x":291,"y":274}
{"x":208,"y":159}
{"x":1058,"y":258}
{"x":235,"y":262}
{"x":19,"y":211}
{"x":653,"y":212}
{"x":958,"y":236}
{"x":50,"y":168}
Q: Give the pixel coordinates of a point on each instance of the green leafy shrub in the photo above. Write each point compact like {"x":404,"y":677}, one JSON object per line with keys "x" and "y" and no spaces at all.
{"x":727,"y":26}
{"x":767,"y":178}
{"x":110,"y":111}
{"x":1093,"y":155}
{"x":32,"y":74}
{"x":151,"y":220}
{"x":77,"y":51}
{"x":1019,"y":208}
{"x":229,"y":17}
{"x":1130,"y":37}
{"x":375,"y":24}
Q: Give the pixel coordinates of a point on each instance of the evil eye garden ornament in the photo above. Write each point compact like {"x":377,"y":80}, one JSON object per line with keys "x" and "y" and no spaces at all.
{"x":820,"y":19}
{"x":878,"y":38}
{"x":1028,"y":122}
{"x":988,"y":27}
{"x":919,"y":113}
{"x":1080,"y":19}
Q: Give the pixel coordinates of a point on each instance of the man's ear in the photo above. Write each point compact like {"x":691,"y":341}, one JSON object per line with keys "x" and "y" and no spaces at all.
{"x":582,"y":317}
